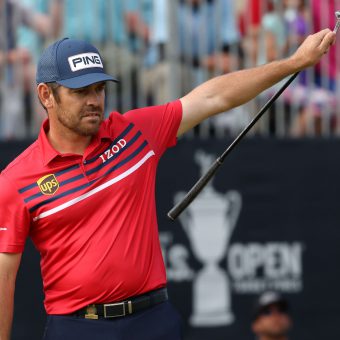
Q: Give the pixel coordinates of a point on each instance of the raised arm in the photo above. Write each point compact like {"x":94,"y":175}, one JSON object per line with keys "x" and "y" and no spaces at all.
{"x":9,"y":264}
{"x":233,"y":89}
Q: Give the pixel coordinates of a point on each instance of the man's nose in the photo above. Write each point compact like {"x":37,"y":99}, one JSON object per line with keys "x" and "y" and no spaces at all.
{"x":93,"y":98}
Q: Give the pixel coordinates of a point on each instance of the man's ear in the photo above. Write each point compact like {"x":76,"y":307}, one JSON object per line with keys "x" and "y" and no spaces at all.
{"x":45,"y":95}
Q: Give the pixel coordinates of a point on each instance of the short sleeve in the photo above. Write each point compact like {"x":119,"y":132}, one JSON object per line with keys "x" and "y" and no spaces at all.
{"x":159,"y":124}
{"x":14,"y":218}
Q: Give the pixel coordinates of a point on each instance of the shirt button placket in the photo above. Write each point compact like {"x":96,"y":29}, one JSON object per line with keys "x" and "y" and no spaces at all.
{"x":83,"y":164}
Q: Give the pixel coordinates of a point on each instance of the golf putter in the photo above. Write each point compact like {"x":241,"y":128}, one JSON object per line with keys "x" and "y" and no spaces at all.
{"x":201,"y":183}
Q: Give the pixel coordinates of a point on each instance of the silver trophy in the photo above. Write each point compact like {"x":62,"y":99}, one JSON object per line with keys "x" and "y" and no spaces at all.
{"x":209,"y":222}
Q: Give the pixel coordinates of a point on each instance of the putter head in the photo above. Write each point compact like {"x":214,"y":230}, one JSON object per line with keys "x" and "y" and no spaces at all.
{"x":337,"y":24}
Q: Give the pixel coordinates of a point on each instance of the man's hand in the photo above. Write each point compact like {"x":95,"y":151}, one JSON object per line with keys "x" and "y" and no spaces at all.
{"x":233,"y":89}
{"x":313,"y":48}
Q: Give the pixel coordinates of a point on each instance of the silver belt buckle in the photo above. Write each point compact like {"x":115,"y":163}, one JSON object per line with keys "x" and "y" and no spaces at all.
{"x":129,"y":311}
{"x":111,"y":305}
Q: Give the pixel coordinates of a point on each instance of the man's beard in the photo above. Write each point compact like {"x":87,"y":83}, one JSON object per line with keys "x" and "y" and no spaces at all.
{"x":93,"y":116}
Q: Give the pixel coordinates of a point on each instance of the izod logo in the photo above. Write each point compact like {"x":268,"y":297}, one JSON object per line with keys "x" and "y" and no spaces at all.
{"x":48,"y":184}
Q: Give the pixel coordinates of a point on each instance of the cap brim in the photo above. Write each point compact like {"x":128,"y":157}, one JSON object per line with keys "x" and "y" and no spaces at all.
{"x":280,"y":302}
{"x":86,"y":80}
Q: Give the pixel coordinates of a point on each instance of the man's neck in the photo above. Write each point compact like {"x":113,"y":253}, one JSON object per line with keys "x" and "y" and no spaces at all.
{"x":68,"y":142}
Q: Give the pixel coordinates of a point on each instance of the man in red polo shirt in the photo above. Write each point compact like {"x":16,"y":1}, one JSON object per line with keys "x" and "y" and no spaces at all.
{"x":84,"y":193}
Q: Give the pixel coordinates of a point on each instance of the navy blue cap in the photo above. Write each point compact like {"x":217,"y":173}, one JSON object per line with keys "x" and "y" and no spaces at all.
{"x":71,"y":63}
{"x":269,"y":298}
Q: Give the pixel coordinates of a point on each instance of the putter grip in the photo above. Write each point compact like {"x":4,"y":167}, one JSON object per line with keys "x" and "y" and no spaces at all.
{"x":194,"y":191}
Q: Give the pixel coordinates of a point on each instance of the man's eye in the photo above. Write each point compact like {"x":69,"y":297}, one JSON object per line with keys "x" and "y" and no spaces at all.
{"x":80,"y":91}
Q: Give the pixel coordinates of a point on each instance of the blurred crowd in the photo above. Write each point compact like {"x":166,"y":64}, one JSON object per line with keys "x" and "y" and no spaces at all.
{"x":160,"y":49}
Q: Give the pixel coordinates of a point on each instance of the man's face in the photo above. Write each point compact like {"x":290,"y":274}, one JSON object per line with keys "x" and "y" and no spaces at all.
{"x":274,"y":322}
{"x":80,"y":110}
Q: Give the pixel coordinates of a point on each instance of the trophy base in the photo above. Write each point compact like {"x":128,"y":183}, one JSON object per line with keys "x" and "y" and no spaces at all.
{"x":211,"y":320}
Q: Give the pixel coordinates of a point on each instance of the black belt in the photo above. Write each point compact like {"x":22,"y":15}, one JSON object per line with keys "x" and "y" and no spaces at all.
{"x":123,"y":308}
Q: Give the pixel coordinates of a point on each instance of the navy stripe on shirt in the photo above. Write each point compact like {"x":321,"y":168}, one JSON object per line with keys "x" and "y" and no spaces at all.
{"x":73,"y":167}
{"x":89,"y":172}
{"x":83,"y":186}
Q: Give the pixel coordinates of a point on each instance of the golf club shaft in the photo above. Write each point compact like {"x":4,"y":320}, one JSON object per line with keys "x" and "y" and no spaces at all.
{"x":201,"y":183}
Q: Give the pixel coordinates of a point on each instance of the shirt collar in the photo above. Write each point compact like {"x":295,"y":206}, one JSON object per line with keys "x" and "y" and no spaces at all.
{"x":49,"y":153}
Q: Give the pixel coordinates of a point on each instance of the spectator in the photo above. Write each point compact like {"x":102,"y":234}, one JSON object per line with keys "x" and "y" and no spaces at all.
{"x":209,"y":44}
{"x":46,"y":22}
{"x":202,"y":47}
{"x":317,"y":112}
{"x":266,"y":39}
{"x":323,"y":15}
{"x":118,"y":28}
{"x":271,"y":319}
{"x":273,"y":37}
{"x":250,"y":25}
{"x":138,"y":20}
{"x":319,"y":116}
{"x":15,"y":64}
{"x":206,"y":28}
{"x":46,"y":25}
{"x":11,"y":58}
{"x":156,"y":76}
{"x":298,"y":20}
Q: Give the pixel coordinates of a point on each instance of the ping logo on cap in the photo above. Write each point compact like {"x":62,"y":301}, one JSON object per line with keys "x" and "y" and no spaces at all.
{"x":48,"y":184}
{"x":85,"y":60}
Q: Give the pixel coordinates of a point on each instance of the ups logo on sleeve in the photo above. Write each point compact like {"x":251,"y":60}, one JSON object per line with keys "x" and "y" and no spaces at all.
{"x":48,"y":184}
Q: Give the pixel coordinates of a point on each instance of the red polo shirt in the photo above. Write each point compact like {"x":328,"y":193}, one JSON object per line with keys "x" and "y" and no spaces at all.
{"x":92,"y":217}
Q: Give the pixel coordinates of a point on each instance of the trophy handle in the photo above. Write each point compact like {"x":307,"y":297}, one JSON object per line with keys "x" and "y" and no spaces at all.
{"x":235,"y":200}
{"x":185,"y":216}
